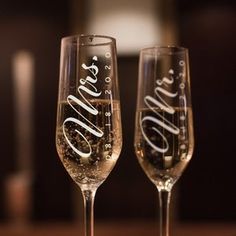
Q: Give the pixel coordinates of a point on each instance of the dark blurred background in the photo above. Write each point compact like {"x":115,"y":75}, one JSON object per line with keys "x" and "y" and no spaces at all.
{"x":39,"y":188}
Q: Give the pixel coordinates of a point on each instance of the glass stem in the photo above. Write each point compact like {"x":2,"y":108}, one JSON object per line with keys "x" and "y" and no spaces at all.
{"x":164,"y":200}
{"x":88,"y":196}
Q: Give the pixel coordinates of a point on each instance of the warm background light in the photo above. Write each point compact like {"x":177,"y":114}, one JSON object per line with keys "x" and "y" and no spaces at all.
{"x":133,"y":23}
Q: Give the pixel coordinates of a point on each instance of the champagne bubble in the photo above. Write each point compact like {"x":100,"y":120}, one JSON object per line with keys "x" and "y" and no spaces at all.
{"x":182,"y":117}
{"x":182,"y":86}
{"x":182,"y":63}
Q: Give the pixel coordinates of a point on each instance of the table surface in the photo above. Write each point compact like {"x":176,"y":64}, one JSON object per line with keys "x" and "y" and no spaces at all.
{"x":126,"y":228}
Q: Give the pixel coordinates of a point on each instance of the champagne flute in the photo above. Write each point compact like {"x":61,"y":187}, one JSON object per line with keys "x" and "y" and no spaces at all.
{"x":164,"y":138}
{"x":88,"y":131}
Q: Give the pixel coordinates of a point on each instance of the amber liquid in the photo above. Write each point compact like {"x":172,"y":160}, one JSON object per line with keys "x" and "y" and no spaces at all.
{"x":164,"y":168}
{"x":89,"y":172}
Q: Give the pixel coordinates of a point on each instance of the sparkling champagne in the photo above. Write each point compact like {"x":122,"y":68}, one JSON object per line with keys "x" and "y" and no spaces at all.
{"x":99,"y":136}
{"x":166,"y":150}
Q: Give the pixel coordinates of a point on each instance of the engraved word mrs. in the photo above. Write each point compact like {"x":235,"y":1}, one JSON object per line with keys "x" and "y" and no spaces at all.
{"x":87,"y":86}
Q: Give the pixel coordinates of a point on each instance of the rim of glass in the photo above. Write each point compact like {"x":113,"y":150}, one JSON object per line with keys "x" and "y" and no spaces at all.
{"x":164,"y":50}
{"x":76,"y":38}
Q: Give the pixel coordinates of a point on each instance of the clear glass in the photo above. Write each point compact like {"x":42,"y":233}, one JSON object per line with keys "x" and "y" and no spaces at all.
{"x":88,"y":131}
{"x":164,"y":138}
